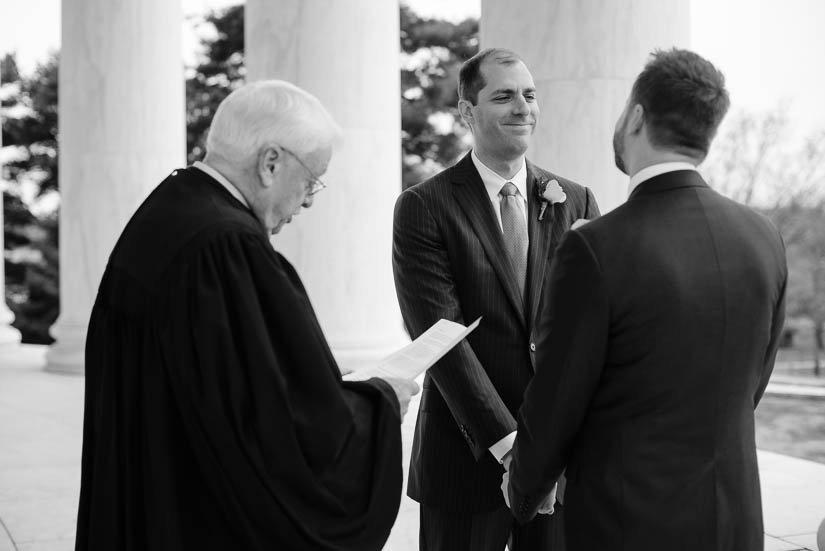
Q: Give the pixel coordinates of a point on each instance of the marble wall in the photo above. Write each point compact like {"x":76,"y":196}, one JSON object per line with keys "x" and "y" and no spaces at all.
{"x":122,"y":130}
{"x":341,"y":247}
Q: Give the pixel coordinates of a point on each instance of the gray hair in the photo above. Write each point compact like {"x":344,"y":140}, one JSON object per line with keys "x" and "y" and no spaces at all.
{"x":266,"y":112}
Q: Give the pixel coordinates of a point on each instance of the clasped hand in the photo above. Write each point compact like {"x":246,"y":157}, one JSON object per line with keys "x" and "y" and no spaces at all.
{"x":546,"y":507}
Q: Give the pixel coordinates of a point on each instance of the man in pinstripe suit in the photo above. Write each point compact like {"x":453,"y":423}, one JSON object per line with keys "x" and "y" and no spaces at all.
{"x":476,"y":240}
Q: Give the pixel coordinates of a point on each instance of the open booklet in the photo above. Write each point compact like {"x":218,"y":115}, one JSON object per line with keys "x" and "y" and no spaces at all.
{"x":418,"y":356}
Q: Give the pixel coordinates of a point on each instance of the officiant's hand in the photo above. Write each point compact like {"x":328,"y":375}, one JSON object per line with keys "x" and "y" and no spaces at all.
{"x":404,"y":390}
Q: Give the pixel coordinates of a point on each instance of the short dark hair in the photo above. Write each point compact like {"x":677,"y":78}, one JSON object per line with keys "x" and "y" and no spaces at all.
{"x":470,"y":79}
{"x":684,"y":100}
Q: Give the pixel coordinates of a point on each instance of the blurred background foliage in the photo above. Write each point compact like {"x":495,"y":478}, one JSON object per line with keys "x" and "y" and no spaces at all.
{"x":752,"y":160}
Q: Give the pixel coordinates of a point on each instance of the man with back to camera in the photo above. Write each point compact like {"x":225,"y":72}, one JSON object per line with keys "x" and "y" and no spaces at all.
{"x":215,"y":414}
{"x":657,"y":342}
{"x":475,"y":240}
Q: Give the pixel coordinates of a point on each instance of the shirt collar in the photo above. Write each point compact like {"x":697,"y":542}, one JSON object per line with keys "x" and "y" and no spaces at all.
{"x":656,"y":170}
{"x":221,"y":179}
{"x":493,"y":182}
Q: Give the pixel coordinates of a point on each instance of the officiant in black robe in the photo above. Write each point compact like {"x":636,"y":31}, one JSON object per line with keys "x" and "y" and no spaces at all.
{"x":215,"y":413}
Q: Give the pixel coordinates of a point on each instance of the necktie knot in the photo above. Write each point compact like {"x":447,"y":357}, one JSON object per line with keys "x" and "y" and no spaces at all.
{"x":508,"y":190}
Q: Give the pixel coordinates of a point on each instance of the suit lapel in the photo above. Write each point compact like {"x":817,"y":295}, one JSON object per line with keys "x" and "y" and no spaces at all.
{"x":540,"y":240}
{"x":470,"y":194}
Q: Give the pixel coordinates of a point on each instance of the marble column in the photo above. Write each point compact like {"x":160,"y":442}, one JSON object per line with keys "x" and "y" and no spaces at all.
{"x":820,"y":535}
{"x":8,"y":334}
{"x":122,"y":129}
{"x":341,"y":247}
{"x":584,"y":56}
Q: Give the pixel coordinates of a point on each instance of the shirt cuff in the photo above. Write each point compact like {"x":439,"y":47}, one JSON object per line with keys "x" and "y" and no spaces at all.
{"x":503,"y":446}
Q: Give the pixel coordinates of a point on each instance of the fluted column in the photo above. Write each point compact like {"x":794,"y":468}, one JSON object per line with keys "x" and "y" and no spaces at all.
{"x":584,"y":56}
{"x":8,"y":334}
{"x":348,"y":57}
{"x":122,"y":129}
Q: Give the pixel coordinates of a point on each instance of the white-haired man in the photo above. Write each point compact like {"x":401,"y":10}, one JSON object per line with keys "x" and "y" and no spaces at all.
{"x":216,"y":417}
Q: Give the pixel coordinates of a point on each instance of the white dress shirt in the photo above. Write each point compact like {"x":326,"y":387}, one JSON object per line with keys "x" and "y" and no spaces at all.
{"x":493,"y":182}
{"x":655,"y":170}
{"x":221,"y":179}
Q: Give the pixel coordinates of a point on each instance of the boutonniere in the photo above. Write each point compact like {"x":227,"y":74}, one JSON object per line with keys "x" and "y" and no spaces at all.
{"x":549,"y":192}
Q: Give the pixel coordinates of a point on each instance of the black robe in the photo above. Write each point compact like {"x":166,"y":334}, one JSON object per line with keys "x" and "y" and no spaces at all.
{"x":216,"y":417}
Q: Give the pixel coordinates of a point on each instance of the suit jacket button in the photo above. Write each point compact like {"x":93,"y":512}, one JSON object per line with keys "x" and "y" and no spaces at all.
{"x":532,"y":347}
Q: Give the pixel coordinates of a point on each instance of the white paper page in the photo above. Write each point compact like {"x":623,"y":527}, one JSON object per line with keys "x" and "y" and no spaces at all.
{"x":420,"y":354}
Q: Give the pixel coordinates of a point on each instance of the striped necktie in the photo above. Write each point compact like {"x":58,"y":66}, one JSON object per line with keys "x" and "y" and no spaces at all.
{"x":515,"y":232}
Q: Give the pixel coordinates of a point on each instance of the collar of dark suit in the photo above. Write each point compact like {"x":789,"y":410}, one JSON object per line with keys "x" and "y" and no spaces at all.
{"x":668,"y":182}
{"x":464,"y":172}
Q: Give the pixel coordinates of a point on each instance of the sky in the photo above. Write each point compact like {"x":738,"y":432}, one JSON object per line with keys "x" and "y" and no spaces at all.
{"x":771,"y":51}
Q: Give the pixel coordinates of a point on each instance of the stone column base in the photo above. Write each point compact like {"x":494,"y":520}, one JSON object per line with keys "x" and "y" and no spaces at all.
{"x":67,"y":354}
{"x":8,"y":334}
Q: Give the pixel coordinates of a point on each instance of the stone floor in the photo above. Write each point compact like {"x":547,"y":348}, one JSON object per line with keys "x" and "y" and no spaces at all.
{"x":40,"y":437}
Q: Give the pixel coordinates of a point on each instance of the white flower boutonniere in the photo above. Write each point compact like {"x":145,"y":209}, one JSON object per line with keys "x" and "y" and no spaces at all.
{"x":550,"y":193}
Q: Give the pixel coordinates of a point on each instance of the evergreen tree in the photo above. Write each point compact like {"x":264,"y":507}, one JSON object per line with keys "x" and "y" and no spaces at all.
{"x":220,"y":71}
{"x":30,"y":163}
{"x":432,"y":51}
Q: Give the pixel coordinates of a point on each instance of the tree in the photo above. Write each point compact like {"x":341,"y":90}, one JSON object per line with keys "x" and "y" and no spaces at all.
{"x":745,"y":156}
{"x":755,"y":161}
{"x":432,"y":52}
{"x":220,"y":71}
{"x":30,"y":124}
{"x":30,"y":167}
{"x":806,"y":266}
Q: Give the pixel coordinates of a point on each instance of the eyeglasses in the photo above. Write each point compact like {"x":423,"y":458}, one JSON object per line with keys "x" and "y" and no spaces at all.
{"x":315,"y":184}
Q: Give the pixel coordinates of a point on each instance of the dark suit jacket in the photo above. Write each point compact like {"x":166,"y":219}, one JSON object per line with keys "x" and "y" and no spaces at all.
{"x":653,"y":351}
{"x":449,"y":262}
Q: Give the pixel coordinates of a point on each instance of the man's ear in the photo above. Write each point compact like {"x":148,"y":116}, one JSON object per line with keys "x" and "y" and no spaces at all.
{"x":465,"y":109}
{"x":269,"y":161}
{"x":637,"y":119}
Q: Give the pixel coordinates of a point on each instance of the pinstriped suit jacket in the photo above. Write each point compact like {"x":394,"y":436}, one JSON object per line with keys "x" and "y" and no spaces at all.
{"x":449,"y":261}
